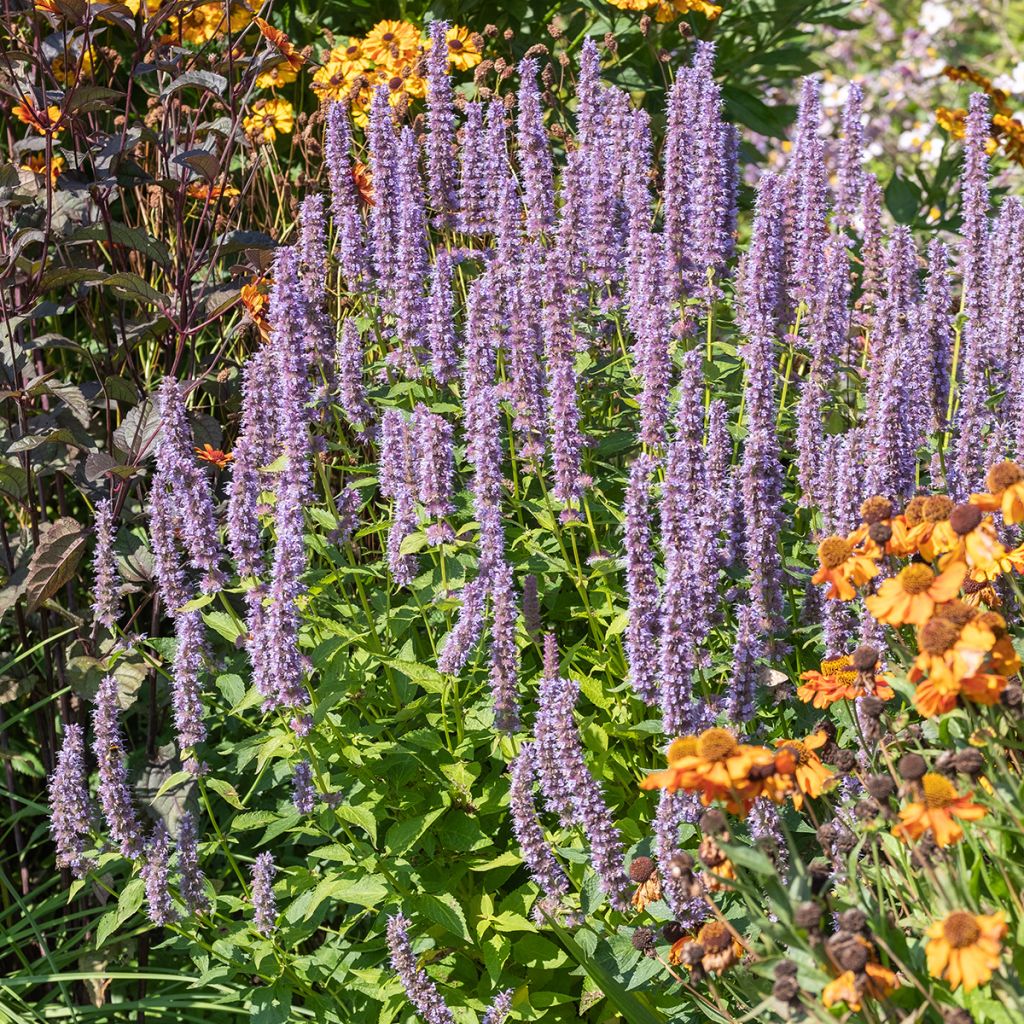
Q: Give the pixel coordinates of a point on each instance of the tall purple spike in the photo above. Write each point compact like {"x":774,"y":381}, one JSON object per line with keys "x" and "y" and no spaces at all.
{"x":534,"y":153}
{"x":352,"y":245}
{"x":440,"y":141}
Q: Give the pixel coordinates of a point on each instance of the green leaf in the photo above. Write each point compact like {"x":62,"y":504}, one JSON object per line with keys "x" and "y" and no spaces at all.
{"x":271,"y":1005}
{"x":443,"y":909}
{"x":361,"y":816}
{"x":54,"y":562}
{"x":902,"y":199}
{"x":225,"y":791}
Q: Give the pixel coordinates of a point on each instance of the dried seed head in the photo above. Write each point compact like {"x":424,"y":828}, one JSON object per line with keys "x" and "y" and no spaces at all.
{"x":880,"y":533}
{"x":672,"y":931}
{"x":970,"y":761}
{"x":786,"y":989}
{"x":865,"y":658}
{"x":961,"y":929}
{"x":938,"y":636}
{"x":641,"y":869}
{"x":1012,"y":697}
{"x":911,"y":767}
{"x":965,"y":518}
{"x":844,"y":761}
{"x":785,"y":969}
{"x":691,"y":954}
{"x":643,"y":939}
{"x":807,"y":915}
{"x":848,"y":953}
{"x":879,"y":786}
{"x":853,"y":920}
{"x":680,"y":865}
{"x":872,"y":706}
{"x":713,"y":823}
{"x":956,"y":1015}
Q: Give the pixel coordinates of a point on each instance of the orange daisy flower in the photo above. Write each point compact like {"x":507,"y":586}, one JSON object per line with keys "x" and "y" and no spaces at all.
{"x":924,"y":519}
{"x":969,"y":536}
{"x":950,"y":652}
{"x":1005,"y":483}
{"x":282,"y":43}
{"x":214,"y":456}
{"x":964,"y":948}
{"x":937,"y":812}
{"x":910,"y":597}
{"x":811,"y":775}
{"x":838,"y":680}
{"x":46,"y":122}
{"x":843,"y":568}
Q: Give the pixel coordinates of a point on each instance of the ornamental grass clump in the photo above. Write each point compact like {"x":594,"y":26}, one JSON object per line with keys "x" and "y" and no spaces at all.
{"x":622,"y":588}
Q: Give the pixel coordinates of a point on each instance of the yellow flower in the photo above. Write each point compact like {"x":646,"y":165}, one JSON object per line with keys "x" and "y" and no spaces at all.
{"x":810,"y":774}
{"x":843,"y":568}
{"x":936,"y":811}
{"x":391,"y":42}
{"x":46,"y":122}
{"x":36,"y":163}
{"x":463,"y":48}
{"x":964,"y":948}
{"x":275,"y":77}
{"x":909,"y":598}
{"x":68,"y":68}
{"x":334,"y":79}
{"x":269,"y":117}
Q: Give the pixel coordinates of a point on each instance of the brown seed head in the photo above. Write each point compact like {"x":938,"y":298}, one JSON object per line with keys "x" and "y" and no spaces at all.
{"x":875,"y":509}
{"x":937,"y":508}
{"x":714,"y":937}
{"x":865,"y":658}
{"x":1003,"y":475}
{"x":879,"y":786}
{"x":641,"y":869}
{"x":965,"y":518}
{"x":911,"y":767}
{"x":914,"y":512}
{"x":960,"y":929}
{"x":833,"y":551}
{"x":713,"y":823}
{"x":853,"y":920}
{"x":938,"y":635}
{"x":970,"y":761}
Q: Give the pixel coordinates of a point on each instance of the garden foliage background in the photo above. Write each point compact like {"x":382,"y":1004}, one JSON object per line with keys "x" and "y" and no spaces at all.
{"x":152,"y":165}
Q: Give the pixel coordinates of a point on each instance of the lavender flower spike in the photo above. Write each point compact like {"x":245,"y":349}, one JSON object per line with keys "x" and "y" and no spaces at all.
{"x":154,"y":874}
{"x":107,"y":583}
{"x":544,"y":868}
{"x":504,"y":674}
{"x":351,"y":387}
{"x":114,"y":795}
{"x":264,"y":906}
{"x":422,"y":992}
{"x":303,"y":789}
{"x":500,"y":1008}
{"x":69,"y":802}
{"x":191,"y":883}
{"x":440,"y":142}
{"x":353,"y":255}
{"x":534,"y":153}
{"x":643,"y":627}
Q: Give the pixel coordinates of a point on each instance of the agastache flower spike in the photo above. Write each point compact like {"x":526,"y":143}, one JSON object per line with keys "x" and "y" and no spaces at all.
{"x":435,"y":461}
{"x":643,"y":625}
{"x":303,"y":789}
{"x":749,"y":648}
{"x":70,"y":812}
{"x":411,"y":257}
{"x":155,"y":873}
{"x":351,"y":386}
{"x":264,"y":906}
{"x":872,"y":253}
{"x":561,"y":752}
{"x":500,"y":1008}
{"x":396,"y":482}
{"x":177,"y":464}
{"x":440,"y":141}
{"x":192,"y":883}
{"x":114,"y":794}
{"x":545,"y":870}
{"x":849,"y":174}
{"x":352,"y":254}
{"x":504,"y":667}
{"x":721,"y":482}
{"x":106,"y":579}
{"x":475,"y":197}
{"x":441,"y":335}
{"x":383,"y":143}
{"x":524,"y":346}
{"x":673,"y":810}
{"x":422,"y":992}
{"x":464,"y":635}
{"x":186,"y":678}
{"x":534,"y":153}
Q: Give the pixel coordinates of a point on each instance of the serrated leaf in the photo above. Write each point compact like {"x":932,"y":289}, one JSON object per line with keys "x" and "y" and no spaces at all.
{"x":361,"y":816}
{"x":225,"y":791}
{"x":54,"y":561}
{"x":443,"y":909}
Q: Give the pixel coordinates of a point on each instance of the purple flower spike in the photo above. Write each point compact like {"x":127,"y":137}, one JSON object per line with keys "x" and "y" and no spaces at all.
{"x":534,"y":153}
{"x":849,"y":174}
{"x":114,"y":793}
{"x":643,"y":627}
{"x":70,"y":811}
{"x":441,"y":335}
{"x":264,"y":906}
{"x":186,"y":678}
{"x":440,"y":142}
{"x":500,"y":1008}
{"x":741,"y":703}
{"x":421,"y":991}
{"x":397,"y":476}
{"x":410,"y":272}
{"x":571,"y":790}
{"x":476,"y":198}
{"x":193,"y":498}
{"x":106,"y":580}
{"x":435,"y":461}
{"x":303,"y":789}
{"x":154,"y":874}
{"x":524,"y":347}
{"x":351,"y":386}
{"x":673,"y":810}
{"x":545,"y":870}
{"x":353,"y":257}
{"x":504,"y":669}
{"x":383,"y":143}
{"x":463,"y":638}
{"x":192,"y":884}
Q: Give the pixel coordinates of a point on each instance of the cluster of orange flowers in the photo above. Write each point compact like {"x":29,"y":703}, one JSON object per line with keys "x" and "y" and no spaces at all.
{"x":1007,"y":131}
{"x":389,"y":55}
{"x":719,"y":767}
{"x":669,"y":10}
{"x":945,"y":593}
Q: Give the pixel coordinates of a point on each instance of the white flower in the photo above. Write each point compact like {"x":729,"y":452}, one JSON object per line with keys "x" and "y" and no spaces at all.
{"x":1012,"y":83}
{"x":935,"y":17}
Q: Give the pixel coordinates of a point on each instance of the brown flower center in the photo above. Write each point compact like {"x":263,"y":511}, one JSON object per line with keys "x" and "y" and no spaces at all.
{"x":939,"y":635}
{"x":1003,"y":475}
{"x":916,"y":578}
{"x":939,"y":792}
{"x":960,"y":929}
{"x":875,"y":509}
{"x":684,"y":746}
{"x":833,"y":666}
{"x":833,"y":551}
{"x":937,"y":508}
{"x":964,"y":518}
{"x":914,"y":512}
{"x":956,"y":612}
{"x":716,"y":744}
{"x":455,"y":44}
{"x":714,"y":937}
{"x":388,"y":37}
{"x":395,"y":83}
